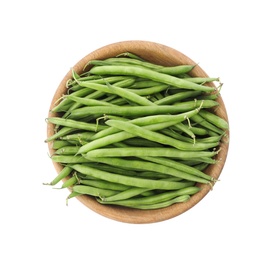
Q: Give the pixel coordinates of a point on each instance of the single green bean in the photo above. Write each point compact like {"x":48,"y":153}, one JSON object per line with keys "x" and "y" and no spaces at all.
{"x":201,"y":80}
{"x":149,"y":74}
{"x":168,"y":100}
{"x":127,"y":180}
{"x":126,"y":194}
{"x":104,"y":184}
{"x":211,"y":139}
{"x":163,"y":204}
{"x":142,"y":83}
{"x":100,"y":80}
{"x":62,"y":174}
{"x":75,"y":124}
{"x":89,"y":101}
{"x":130,"y":55}
{"x":135,"y":111}
{"x":62,"y":132}
{"x":70,"y":182}
{"x":112,"y":169}
{"x":154,"y":199}
{"x":93,"y":191}
{"x":69,"y":159}
{"x":150,"y":90}
{"x":137,"y":141}
{"x":81,"y":137}
{"x":56,"y":144}
{"x":67,"y":150}
{"x":126,"y":62}
{"x":214,"y":119}
{"x":176,"y":70}
{"x":150,"y":151}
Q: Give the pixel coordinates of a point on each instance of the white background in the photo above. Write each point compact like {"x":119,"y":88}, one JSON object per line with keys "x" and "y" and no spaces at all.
{"x":41,"y":40}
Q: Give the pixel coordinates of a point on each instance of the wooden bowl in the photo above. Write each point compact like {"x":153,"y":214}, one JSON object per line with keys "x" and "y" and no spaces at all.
{"x":163,"y":55}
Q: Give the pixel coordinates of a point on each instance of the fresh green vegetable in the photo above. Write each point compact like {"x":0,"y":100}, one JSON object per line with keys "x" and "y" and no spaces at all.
{"x":136,"y":134}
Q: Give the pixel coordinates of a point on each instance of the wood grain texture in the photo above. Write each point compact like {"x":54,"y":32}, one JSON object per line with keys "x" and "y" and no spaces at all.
{"x":163,"y":55}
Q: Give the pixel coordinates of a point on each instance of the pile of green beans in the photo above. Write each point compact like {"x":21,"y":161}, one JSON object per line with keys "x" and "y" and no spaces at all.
{"x":135,"y":134}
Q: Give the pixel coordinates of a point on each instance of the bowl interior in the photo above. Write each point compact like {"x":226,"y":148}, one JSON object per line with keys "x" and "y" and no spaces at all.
{"x":163,"y":55}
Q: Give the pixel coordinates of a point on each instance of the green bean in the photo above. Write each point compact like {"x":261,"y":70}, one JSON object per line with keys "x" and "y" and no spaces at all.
{"x":204,"y":159}
{"x":149,"y":74}
{"x":199,"y":131}
{"x":93,"y":191}
{"x":179,"y":166}
{"x":118,"y":137}
{"x":119,"y":102}
{"x":176,"y":70}
{"x":200,"y":80}
{"x":140,"y":151}
{"x":56,"y":144}
{"x":122,"y":131}
{"x":81,"y":137}
{"x":75,"y":105}
{"x":62,"y":132}
{"x":155,"y":119}
{"x":112,"y":89}
{"x":126,"y":194}
{"x":156,"y":123}
{"x":201,"y":166}
{"x":112,"y":169}
{"x":163,"y":204}
{"x":185,"y":129}
{"x":150,"y":90}
{"x":136,"y":141}
{"x":72,"y":195}
{"x":104,"y":185}
{"x":63,"y":105}
{"x":135,"y":111}
{"x":144,"y":84}
{"x":140,"y":165}
{"x":176,"y":135}
{"x":154,"y":199}
{"x":214,"y":119}
{"x":127,"y":180}
{"x":95,"y":94}
{"x":67,"y":150}
{"x":153,"y":175}
{"x":177,"y":97}
{"x":211,"y":139}
{"x":172,"y":70}
{"x":100,"y":80}
{"x":70,"y":182}
{"x":69,"y":159}
{"x":158,"y":137}
{"x":125,"y":61}
{"x":75,"y":124}
{"x":130,"y":55}
{"x":62,"y":174}
{"x":202,"y":121}
{"x":89,"y":101}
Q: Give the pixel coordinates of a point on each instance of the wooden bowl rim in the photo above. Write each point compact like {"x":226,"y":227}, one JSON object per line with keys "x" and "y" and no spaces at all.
{"x":159,"y":54}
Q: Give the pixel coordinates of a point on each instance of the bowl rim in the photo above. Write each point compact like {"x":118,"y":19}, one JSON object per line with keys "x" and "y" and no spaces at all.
{"x":159,"y":54}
